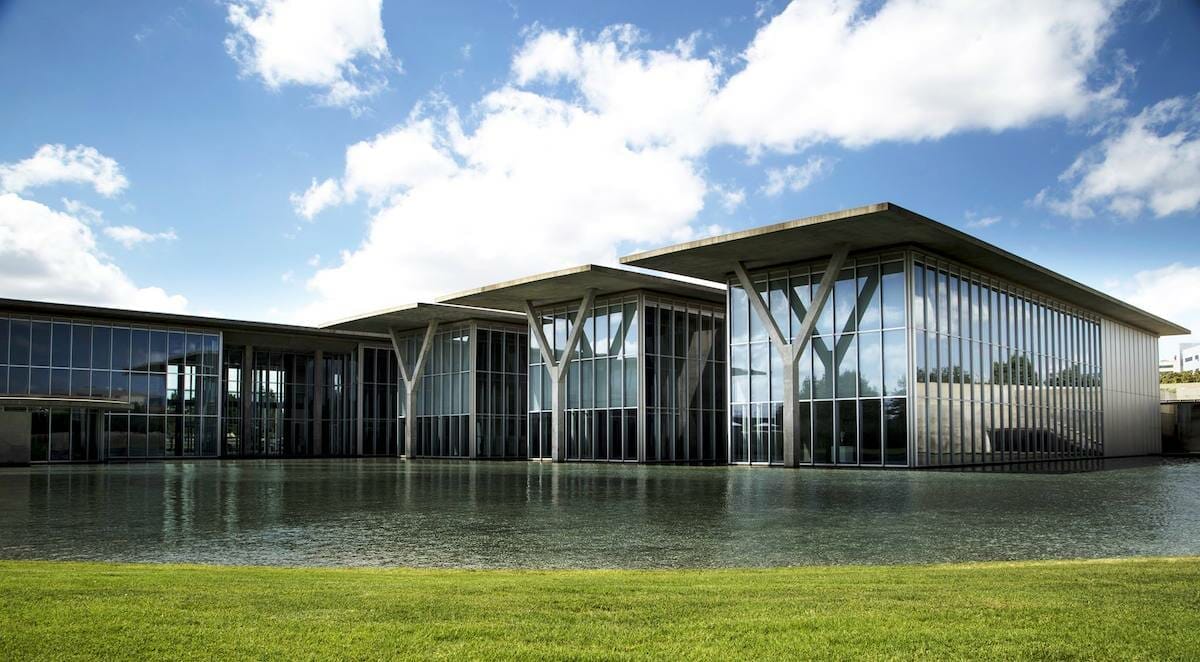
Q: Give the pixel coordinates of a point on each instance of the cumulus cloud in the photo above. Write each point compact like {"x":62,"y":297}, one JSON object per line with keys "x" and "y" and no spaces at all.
{"x":596,"y":144}
{"x":1171,"y":292}
{"x":131,"y":237}
{"x":794,"y":178}
{"x":913,"y":70}
{"x":317,"y":197}
{"x":83,"y":211}
{"x":50,"y":255}
{"x":1150,"y":163}
{"x":337,"y":48}
{"x":57,"y":164}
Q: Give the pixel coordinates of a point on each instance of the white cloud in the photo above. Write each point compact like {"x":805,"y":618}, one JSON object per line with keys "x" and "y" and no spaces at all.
{"x":729,"y":198}
{"x":913,"y":70}
{"x":594,"y":145}
{"x":1151,"y":162}
{"x":49,"y":255}
{"x":287,"y":276}
{"x":336,"y":47}
{"x":83,"y":212}
{"x":980,"y":222}
{"x":314,"y":261}
{"x":56,"y":164}
{"x":131,"y":237}
{"x":316,"y":198}
{"x":794,"y":178}
{"x":1172,"y":292}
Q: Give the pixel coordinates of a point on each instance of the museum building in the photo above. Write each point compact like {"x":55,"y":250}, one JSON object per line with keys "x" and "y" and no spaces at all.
{"x":869,"y":337}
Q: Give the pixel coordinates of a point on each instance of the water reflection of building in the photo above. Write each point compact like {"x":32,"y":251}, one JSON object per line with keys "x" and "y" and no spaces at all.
{"x":867,"y":337}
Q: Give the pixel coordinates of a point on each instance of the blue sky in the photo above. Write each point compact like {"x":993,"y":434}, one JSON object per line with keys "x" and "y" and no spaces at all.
{"x":287,"y":161}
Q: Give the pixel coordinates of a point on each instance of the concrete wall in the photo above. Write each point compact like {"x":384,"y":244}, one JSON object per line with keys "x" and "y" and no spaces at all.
{"x":15,"y":427}
{"x":1132,"y":422}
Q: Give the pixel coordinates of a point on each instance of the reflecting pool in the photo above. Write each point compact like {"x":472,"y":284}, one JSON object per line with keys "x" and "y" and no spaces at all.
{"x":386,"y":512}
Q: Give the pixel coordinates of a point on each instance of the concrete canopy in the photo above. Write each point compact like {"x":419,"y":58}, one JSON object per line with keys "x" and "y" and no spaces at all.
{"x":418,"y":316}
{"x":571,"y":284}
{"x":876,"y":227}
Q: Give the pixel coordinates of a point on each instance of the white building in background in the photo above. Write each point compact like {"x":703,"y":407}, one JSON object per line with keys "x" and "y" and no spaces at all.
{"x":1186,"y":359}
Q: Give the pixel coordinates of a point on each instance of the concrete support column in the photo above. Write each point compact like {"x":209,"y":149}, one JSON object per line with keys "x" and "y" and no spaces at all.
{"x":412,"y":383}
{"x":558,"y":371}
{"x":792,"y":348}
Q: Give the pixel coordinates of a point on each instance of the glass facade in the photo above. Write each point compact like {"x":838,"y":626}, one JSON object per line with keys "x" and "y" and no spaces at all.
{"x":685,"y":382}
{"x":601,"y":382}
{"x":444,"y":399}
{"x":382,"y":426}
{"x":501,"y":383}
{"x":1002,"y":374}
{"x":852,"y":379}
{"x":339,"y":411}
{"x":168,"y":376}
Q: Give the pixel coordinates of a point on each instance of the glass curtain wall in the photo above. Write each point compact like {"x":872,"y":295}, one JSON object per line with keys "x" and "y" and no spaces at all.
{"x":169,"y":376}
{"x":685,"y":382}
{"x":281,"y":404}
{"x":444,"y":400}
{"x":602,"y":382}
{"x":381,"y":402}
{"x":501,"y":382}
{"x":231,"y":412}
{"x":1002,"y":374}
{"x":852,"y":380}
{"x":339,"y":413}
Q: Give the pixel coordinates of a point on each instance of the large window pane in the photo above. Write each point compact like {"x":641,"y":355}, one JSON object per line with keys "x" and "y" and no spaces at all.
{"x":19,"y":342}
{"x":825,"y":313}
{"x":847,"y":366}
{"x":39,"y":346}
{"x":845,"y":293}
{"x":893,"y":294}
{"x":895,"y":362}
{"x":869,"y":300}
{"x":739,"y":306}
{"x":823,"y":432}
{"x":847,"y":431}
{"x":822,"y":367}
{"x":870,"y":364}
{"x":81,"y":346}
{"x":871,"y":427}
{"x":60,"y":345}
{"x":895,"y":431}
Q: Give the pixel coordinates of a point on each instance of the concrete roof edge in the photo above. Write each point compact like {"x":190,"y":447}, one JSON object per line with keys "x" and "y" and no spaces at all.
{"x":1164,"y":327}
{"x":130,"y":316}
{"x":582,"y":268}
{"x":417,"y":305}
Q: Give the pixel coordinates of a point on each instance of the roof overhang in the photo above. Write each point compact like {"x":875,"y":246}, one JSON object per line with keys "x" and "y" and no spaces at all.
{"x":124,"y":316}
{"x":419,"y":315}
{"x":104,"y":404}
{"x":572,"y":284}
{"x":875,"y":227}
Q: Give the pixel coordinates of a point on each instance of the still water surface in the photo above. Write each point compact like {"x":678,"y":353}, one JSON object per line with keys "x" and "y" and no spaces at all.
{"x":482,"y":515}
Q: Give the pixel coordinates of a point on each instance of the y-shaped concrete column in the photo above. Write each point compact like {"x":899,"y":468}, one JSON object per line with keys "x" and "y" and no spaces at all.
{"x":558,"y":371}
{"x":792,"y":348}
{"x":412,"y":384}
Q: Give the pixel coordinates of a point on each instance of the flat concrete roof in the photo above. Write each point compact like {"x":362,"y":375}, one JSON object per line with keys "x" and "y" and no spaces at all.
{"x":419,"y":315}
{"x":881,"y":226}
{"x":571,"y":284}
{"x":123,"y":316}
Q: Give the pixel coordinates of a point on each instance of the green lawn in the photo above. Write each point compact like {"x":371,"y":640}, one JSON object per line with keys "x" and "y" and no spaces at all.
{"x":1123,"y":609}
